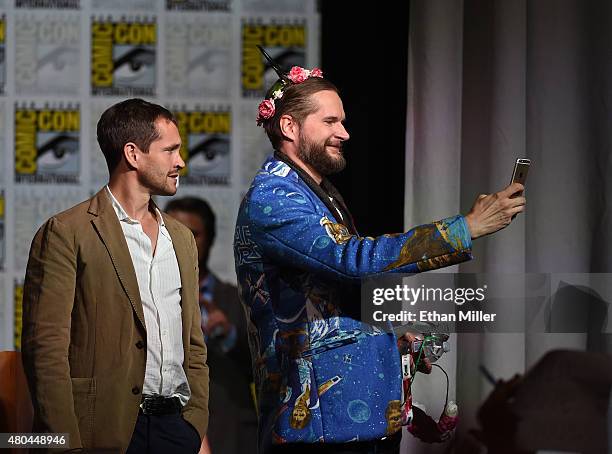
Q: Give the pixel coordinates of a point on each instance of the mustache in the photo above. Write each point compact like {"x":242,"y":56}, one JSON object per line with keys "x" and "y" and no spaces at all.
{"x":338,"y":144}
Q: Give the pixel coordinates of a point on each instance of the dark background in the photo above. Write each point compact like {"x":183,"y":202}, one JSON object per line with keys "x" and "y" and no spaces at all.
{"x":364,"y":52}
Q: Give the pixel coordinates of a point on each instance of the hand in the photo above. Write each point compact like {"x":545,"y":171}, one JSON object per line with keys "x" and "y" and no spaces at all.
{"x":404,"y":344}
{"x":493,"y":212}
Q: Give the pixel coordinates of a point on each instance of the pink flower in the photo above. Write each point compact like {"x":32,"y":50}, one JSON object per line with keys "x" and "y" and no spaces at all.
{"x":266,"y":111}
{"x":316,"y":72}
{"x":297,"y":75}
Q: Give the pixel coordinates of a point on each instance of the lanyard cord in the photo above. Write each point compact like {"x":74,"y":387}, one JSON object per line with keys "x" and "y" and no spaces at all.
{"x":426,"y":339}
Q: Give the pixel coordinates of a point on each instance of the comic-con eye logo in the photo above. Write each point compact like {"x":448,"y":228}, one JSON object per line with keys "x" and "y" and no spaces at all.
{"x":198,"y":57}
{"x":205,"y":146}
{"x":123,"y":56}
{"x":286,"y":43}
{"x":47,"y":50}
{"x":47,"y":144}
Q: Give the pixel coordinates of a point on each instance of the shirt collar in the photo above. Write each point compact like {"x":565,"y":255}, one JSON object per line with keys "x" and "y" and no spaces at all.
{"x":122,"y":214}
{"x":325,"y":191}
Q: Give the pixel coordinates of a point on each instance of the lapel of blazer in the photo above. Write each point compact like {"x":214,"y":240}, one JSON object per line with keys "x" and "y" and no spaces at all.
{"x":187,"y":272}
{"x":109,"y":229}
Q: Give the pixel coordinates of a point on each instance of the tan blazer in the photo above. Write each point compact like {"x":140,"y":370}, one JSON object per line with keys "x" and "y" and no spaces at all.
{"x":83,"y":339}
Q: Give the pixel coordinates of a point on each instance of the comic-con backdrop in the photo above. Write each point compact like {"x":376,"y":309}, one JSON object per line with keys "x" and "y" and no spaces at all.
{"x":63,"y":62}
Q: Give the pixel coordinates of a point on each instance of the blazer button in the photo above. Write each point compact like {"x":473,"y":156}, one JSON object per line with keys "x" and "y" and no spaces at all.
{"x":140,"y":344}
{"x":135,"y":390}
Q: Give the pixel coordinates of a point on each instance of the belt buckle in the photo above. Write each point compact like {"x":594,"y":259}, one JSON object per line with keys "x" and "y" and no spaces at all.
{"x":148,"y":402}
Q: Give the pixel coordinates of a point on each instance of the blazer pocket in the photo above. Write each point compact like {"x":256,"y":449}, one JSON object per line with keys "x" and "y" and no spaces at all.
{"x":84,"y":395}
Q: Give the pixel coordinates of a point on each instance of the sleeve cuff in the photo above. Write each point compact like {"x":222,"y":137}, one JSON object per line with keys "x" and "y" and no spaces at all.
{"x":456,"y":232}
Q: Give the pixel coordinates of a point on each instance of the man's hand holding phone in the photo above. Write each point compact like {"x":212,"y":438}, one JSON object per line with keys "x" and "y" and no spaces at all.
{"x":493,"y":212}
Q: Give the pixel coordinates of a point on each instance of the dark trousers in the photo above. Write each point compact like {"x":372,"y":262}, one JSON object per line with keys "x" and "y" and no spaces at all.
{"x":163,"y":434}
{"x":390,"y":445}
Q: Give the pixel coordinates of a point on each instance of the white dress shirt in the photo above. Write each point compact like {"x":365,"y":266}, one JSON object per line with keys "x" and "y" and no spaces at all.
{"x":159,"y":282}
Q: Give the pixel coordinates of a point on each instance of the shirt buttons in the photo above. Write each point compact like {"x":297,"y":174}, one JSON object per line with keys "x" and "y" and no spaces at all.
{"x":135,"y":390}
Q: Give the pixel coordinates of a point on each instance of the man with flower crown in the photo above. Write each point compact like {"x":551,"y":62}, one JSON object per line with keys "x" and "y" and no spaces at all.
{"x":327,"y":382}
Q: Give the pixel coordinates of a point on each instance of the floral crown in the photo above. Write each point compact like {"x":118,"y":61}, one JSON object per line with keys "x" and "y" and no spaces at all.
{"x":297,"y":75}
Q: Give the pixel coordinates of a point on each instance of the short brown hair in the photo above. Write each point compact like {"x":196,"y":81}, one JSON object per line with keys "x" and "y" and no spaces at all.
{"x":297,"y":102}
{"x":132,"y":120}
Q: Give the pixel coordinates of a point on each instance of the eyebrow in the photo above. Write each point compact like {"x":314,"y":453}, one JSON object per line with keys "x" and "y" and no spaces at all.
{"x":172,"y":147}
{"x":333,"y":118}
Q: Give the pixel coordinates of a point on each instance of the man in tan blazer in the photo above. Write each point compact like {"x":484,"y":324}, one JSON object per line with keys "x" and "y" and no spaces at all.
{"x":112,"y":344}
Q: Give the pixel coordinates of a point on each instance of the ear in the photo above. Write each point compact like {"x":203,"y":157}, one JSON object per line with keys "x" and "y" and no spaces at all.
{"x":289,"y":127}
{"x":131,"y":154}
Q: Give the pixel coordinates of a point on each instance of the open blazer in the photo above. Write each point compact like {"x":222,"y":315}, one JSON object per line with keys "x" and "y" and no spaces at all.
{"x":321,"y":374}
{"x":84,"y":335}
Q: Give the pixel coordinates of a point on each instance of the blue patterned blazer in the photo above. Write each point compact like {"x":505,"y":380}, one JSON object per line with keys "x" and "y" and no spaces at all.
{"x":321,"y":374}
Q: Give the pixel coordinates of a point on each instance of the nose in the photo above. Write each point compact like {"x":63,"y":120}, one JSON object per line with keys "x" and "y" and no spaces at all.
{"x":342,"y":133}
{"x":179,"y":162}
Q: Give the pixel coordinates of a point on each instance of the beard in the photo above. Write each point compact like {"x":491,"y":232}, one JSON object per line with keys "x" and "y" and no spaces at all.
{"x":158,"y":182}
{"x":315,"y":155}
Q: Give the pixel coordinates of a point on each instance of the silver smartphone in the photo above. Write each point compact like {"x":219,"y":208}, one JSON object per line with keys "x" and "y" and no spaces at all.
{"x":519,"y":174}
{"x":521,"y":168}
